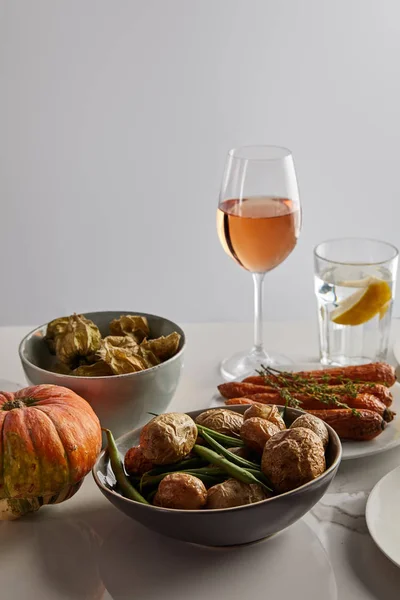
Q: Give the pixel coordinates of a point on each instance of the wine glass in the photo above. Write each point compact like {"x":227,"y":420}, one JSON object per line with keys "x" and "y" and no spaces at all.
{"x":258,"y":223}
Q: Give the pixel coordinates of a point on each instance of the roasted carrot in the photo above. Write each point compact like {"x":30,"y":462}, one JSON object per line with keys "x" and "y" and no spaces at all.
{"x":367,"y":402}
{"x":255,"y":380}
{"x":361,"y":401}
{"x":374,"y":372}
{"x":362,"y":427}
{"x":268,"y":398}
{"x":231,"y":401}
{"x":377,"y":389}
{"x":237,"y":389}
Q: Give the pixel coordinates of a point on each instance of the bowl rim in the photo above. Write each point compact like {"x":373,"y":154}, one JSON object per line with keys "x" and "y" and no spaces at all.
{"x":34,"y":331}
{"x":176,"y":511}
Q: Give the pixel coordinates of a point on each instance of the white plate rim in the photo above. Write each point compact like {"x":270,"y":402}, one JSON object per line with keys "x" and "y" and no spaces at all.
{"x":367,"y":448}
{"x":368,"y":510}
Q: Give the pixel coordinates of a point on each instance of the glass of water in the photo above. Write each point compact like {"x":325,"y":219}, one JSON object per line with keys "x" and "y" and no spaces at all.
{"x":355,"y":285}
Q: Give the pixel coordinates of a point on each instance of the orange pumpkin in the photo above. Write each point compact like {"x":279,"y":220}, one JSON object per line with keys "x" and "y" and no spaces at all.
{"x":49,"y":440}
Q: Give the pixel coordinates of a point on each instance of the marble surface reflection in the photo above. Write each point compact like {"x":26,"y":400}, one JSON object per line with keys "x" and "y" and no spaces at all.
{"x":362,"y":571}
{"x":137,"y":563}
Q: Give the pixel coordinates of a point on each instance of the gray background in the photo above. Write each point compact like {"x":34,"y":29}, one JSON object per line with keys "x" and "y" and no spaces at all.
{"x":115,"y":119}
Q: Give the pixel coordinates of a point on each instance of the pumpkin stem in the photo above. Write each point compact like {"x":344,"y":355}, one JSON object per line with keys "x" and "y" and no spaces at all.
{"x":16,"y":403}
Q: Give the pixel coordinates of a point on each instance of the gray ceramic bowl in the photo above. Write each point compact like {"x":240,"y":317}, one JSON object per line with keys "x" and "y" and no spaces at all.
{"x":223,"y":527}
{"x":121,"y":401}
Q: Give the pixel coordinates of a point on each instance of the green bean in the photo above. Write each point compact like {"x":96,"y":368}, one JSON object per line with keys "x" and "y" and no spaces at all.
{"x":238,"y":460}
{"x":227,"y":440}
{"x":230,"y":468}
{"x":261,"y":477}
{"x":129,"y":491}
{"x":187,"y":463}
{"x":150,"y":496}
{"x":209,"y":480}
{"x":134,"y":480}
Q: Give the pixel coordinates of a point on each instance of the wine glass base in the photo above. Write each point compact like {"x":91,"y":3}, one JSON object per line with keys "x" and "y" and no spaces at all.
{"x":243,"y":364}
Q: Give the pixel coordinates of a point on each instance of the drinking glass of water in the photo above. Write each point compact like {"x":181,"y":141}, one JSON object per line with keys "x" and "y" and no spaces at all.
{"x":355,"y":285}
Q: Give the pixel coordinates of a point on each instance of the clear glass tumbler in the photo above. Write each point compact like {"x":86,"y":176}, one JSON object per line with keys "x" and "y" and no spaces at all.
{"x":355,"y":286}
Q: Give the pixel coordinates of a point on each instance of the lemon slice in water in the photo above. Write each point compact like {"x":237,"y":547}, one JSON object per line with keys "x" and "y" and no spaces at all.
{"x":364,"y":304}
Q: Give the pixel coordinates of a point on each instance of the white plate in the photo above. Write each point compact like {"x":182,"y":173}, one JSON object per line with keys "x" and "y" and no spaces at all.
{"x":388,"y":439}
{"x":382,"y":515}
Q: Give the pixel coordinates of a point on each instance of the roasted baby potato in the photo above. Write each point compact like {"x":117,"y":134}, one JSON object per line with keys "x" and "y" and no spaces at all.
{"x":234,"y":493}
{"x":293,"y":457}
{"x":313,"y":423}
{"x":269,"y":412}
{"x":168,"y":438}
{"x":221,"y":420}
{"x":255,"y":432}
{"x":181,"y":490}
{"x":136,"y":463}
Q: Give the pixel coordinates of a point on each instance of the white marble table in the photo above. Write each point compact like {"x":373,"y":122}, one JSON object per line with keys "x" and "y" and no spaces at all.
{"x":86,"y":549}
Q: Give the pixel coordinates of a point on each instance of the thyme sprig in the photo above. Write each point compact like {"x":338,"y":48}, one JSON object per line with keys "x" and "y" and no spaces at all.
{"x":287,"y":384}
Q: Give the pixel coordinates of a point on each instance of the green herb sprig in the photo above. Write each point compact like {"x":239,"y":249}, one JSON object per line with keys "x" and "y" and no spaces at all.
{"x":287,"y":384}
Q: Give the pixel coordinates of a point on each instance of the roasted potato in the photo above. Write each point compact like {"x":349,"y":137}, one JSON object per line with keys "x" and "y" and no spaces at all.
{"x":255,"y":432}
{"x":234,"y":493}
{"x":221,"y":420}
{"x":135,"y":462}
{"x":313,"y":423}
{"x":181,"y":490}
{"x":269,"y":412}
{"x":293,"y":457}
{"x":168,"y":438}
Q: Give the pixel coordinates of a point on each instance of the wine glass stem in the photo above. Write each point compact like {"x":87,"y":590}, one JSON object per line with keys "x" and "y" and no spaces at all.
{"x":258,"y":279}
